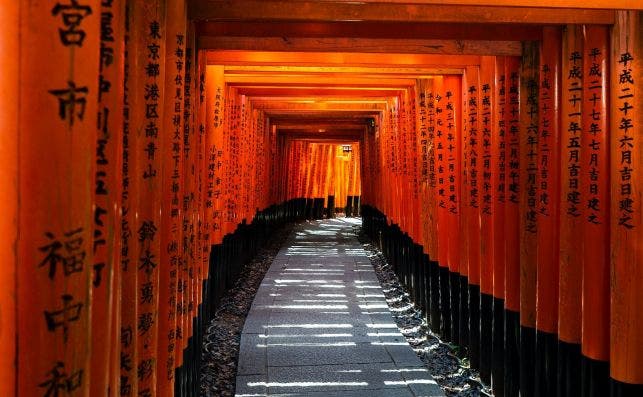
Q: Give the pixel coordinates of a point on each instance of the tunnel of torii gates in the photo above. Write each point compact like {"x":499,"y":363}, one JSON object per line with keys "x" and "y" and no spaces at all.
{"x":148,"y":148}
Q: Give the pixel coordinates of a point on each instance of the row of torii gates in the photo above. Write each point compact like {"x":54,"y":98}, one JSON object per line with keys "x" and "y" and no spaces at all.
{"x":148,"y":148}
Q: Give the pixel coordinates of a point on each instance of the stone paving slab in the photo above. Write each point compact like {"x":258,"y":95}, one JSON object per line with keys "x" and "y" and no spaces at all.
{"x":320,"y":325}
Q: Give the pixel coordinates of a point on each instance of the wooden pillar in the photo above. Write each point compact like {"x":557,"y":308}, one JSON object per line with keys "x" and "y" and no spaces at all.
{"x":465,"y":197}
{"x":626,"y":225}
{"x":529,"y":123}
{"x":442,"y":189}
{"x":472,"y":76}
{"x":571,"y":210}
{"x":146,"y":48}
{"x":452,"y":152}
{"x":56,"y":143}
{"x":595,"y":188}
{"x":9,"y":188}
{"x":487,"y":221}
{"x":105,"y":361}
{"x":171,"y":185}
{"x":548,"y":182}
{"x":499,"y":161}
{"x":513,"y":186}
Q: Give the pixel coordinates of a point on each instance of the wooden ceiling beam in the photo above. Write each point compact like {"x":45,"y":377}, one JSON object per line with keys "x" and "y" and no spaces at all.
{"x":339,"y":107}
{"x":288,"y":10}
{"x":590,"y":4}
{"x":403,"y":72}
{"x":342,"y":44}
{"x":306,"y":92}
{"x":300,"y":113}
{"x":373,"y":30}
{"x":290,"y":80}
{"x":345,"y":59}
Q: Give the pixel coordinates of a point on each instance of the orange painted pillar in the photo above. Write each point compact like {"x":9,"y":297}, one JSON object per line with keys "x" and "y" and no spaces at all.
{"x":453,"y":153}
{"x":513,"y":188}
{"x":473,"y":230}
{"x":487,"y":172}
{"x":499,"y":169}
{"x":595,"y":188}
{"x":128,"y":380}
{"x":626,"y":224}
{"x":442,"y":192}
{"x":171,"y":185}
{"x":571,"y":210}
{"x":56,"y":144}
{"x":465,"y":197}
{"x":105,"y":360}
{"x":9,"y":86}
{"x":529,"y":123}
{"x":147,"y":49}
{"x":548,"y":189}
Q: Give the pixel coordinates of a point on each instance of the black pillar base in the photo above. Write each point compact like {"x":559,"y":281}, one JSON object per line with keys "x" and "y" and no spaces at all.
{"x":498,"y":353}
{"x":512,"y":353}
{"x":454,"y":286}
{"x":486,"y":339}
{"x":474,"y":325}
{"x":434,"y":313}
{"x":620,"y":389}
{"x":445,"y":305}
{"x":546,"y":360}
{"x":464,"y":317}
{"x":595,"y":380}
{"x":568,"y":377}
{"x":527,"y":361}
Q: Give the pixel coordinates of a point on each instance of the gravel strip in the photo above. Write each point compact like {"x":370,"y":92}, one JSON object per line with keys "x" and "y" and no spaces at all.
{"x":221,"y":343}
{"x":452,"y":373}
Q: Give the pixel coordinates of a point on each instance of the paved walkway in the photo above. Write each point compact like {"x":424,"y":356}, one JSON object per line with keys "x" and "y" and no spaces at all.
{"x":320,"y":325}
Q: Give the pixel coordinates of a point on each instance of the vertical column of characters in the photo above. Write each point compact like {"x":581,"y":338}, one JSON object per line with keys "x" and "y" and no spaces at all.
{"x":205,"y":212}
{"x":203,"y":239}
{"x":171,"y":185}
{"x":129,"y":202}
{"x":413,"y":163}
{"x":453,"y":152}
{"x":464,"y":218}
{"x":186,"y":251}
{"x":422,"y":164}
{"x":214,"y":87}
{"x":529,"y":126}
{"x":191,"y":197}
{"x":442,"y":190}
{"x":499,"y":164}
{"x":548,"y":182}
{"x":9,"y":78}
{"x":430,"y":193}
{"x":512,"y":226}
{"x":474,"y":154}
{"x":403,"y":137}
{"x":244,"y":151}
{"x":147,"y":48}
{"x":571,"y":221}
{"x":395,"y":165}
{"x":626,"y":225}
{"x":56,"y":130}
{"x":230,"y":137}
{"x":273,"y":158}
{"x":107,"y":185}
{"x":487,"y":216}
{"x":286,"y":168}
{"x":595,"y":187}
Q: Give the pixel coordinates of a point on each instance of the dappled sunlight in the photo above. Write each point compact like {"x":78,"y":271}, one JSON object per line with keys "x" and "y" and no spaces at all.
{"x":306,"y":340}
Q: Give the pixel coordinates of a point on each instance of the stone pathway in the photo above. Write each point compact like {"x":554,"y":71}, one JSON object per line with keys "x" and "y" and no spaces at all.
{"x":320,"y":325}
